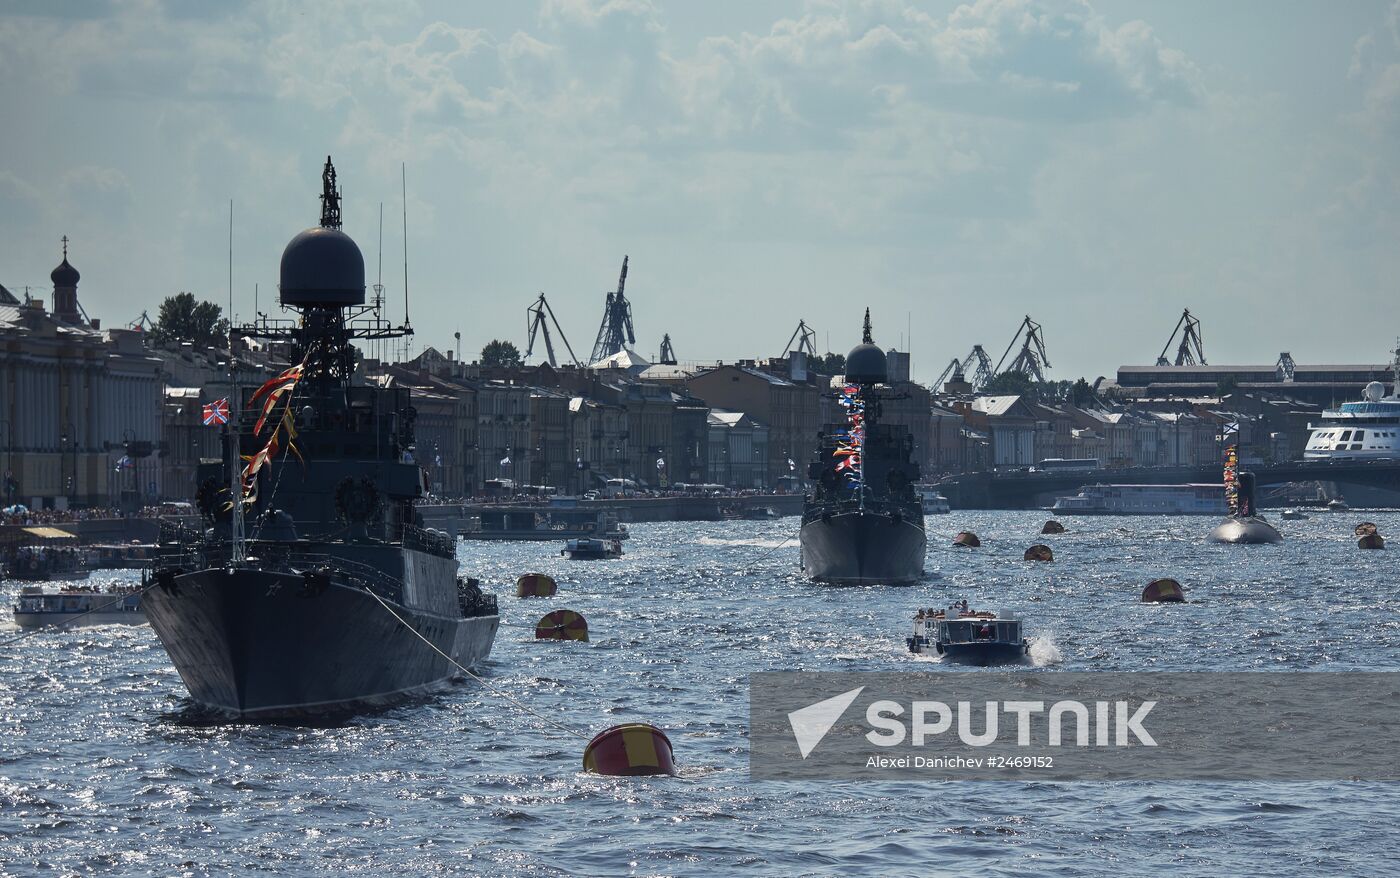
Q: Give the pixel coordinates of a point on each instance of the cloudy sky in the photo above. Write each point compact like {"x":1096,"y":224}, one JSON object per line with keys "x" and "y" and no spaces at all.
{"x":954,"y":167}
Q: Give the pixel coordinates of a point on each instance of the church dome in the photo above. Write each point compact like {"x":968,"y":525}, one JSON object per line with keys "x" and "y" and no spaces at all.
{"x":65,"y":275}
{"x":323,"y":266}
{"x":865,"y":364}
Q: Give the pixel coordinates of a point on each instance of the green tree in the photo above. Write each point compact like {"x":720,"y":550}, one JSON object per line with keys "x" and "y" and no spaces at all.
{"x":1011,"y":384}
{"x":1081,"y":393}
{"x":500,"y":354}
{"x":184,"y":318}
{"x":1226,"y":386}
{"x":830,"y":364}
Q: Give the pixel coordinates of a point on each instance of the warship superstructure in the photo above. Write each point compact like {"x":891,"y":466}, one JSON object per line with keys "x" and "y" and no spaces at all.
{"x":314,"y":588}
{"x":863,"y":522}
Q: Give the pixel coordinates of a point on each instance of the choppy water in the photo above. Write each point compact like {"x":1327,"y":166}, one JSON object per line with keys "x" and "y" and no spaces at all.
{"x":100,"y":772}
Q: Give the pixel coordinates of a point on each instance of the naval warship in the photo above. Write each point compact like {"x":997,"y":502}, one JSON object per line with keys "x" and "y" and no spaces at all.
{"x":314,"y":589}
{"x":862,"y":523}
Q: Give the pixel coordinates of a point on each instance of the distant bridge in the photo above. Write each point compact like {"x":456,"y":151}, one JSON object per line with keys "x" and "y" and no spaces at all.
{"x":1030,"y":490}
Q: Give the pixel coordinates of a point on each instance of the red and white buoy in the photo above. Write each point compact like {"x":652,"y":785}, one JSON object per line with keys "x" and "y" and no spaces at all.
{"x":562,"y":625}
{"x":629,"y":750}
{"x":1163,"y":591}
{"x":536,"y":585}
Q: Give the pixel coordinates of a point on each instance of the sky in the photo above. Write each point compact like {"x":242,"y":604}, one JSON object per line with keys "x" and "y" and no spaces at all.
{"x":953,"y":167}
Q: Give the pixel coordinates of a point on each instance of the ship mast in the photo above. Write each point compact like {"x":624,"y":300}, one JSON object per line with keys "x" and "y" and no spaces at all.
{"x":237,"y":547}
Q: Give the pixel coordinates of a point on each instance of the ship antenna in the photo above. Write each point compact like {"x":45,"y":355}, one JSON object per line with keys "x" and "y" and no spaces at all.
{"x":403,"y":182}
{"x":235,"y":406}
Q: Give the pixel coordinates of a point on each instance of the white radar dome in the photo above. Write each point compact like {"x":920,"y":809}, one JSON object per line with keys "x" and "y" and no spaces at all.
{"x":1374,"y":392}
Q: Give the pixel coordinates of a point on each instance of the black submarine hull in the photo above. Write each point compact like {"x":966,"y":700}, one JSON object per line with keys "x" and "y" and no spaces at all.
{"x":863,"y":548}
{"x":1245,"y":531}
{"x":261,"y":646}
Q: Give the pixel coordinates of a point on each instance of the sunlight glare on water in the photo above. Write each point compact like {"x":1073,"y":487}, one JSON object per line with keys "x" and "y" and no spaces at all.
{"x":101,"y":770}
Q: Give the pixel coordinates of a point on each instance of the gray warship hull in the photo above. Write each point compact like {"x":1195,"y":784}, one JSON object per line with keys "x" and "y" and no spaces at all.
{"x":863,"y":548}
{"x":258,"y":645}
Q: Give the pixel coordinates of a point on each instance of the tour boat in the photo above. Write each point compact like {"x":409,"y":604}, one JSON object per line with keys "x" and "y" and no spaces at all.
{"x":1189,"y":499}
{"x":78,"y":605}
{"x":589,"y":549}
{"x":968,"y":636}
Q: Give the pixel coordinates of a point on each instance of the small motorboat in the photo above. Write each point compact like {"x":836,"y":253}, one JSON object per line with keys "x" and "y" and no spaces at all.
{"x":79,"y":605}
{"x":1338,"y":505}
{"x":591,"y":549}
{"x":968,"y":636}
{"x":1293,"y":515}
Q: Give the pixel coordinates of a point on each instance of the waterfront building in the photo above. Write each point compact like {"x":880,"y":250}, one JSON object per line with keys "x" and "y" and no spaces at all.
{"x":80,"y":407}
{"x":738,"y":450}
{"x":1321,"y":385}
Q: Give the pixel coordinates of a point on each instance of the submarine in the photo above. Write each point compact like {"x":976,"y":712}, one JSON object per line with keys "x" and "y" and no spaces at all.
{"x":1243,"y":525}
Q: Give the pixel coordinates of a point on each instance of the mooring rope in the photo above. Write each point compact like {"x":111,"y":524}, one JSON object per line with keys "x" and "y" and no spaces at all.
{"x":512,"y":699}
{"x":66,"y":622}
{"x":755,"y":561}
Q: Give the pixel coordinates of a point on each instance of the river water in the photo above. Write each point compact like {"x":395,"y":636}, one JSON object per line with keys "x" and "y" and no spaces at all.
{"x":102,"y":770}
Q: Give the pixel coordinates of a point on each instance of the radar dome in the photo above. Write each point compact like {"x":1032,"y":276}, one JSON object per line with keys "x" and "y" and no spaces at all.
{"x":1374,"y":392}
{"x":865,"y":364}
{"x":323,"y":266}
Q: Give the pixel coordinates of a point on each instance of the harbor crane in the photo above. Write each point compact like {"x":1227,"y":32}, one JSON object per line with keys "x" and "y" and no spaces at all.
{"x":615,"y":332}
{"x":806,"y":339}
{"x":1191,"y":352}
{"x":667,"y":355}
{"x":957,"y":369}
{"x":538,"y":326}
{"x":1031,"y":361}
{"x":142,"y":323}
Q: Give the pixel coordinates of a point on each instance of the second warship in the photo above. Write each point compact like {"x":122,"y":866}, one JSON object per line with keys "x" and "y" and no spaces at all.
{"x":336,"y":598}
{"x":862,"y":523}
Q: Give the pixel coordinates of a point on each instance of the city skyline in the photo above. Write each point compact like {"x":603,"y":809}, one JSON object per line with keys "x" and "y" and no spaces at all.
{"x":951,"y":167}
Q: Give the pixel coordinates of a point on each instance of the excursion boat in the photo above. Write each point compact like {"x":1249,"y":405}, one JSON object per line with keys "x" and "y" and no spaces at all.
{"x":973,"y":637}
{"x":1189,"y":499}
{"x":78,"y":605}
{"x":590,"y":549}
{"x":119,"y":556}
{"x":1338,"y":505}
{"x":46,"y":563}
{"x":933,"y":502}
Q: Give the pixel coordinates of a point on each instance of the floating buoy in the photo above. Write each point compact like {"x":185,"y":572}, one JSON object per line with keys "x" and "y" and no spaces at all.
{"x":967,"y":538}
{"x":1052,"y":527}
{"x":1039,"y":552}
{"x":629,"y":750}
{"x":1365,"y":528}
{"x":1163,"y":591}
{"x":562,"y":625}
{"x":1371,"y":541}
{"x":535,"y":585}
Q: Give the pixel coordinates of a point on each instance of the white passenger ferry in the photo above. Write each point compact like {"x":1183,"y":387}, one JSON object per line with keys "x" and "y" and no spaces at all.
{"x":1365,"y":430}
{"x":1190,"y":499}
